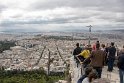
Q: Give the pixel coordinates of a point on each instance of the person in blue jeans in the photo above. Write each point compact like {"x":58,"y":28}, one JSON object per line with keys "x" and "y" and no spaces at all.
{"x":111,"y":56}
{"x":110,"y":64}
{"x":87,"y":72}
{"x":120,"y":65}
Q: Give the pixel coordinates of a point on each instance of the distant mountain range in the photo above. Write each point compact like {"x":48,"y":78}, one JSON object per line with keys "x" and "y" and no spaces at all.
{"x":19,"y":30}
{"x":119,"y":30}
{"x":35,"y":30}
{"x":64,"y":30}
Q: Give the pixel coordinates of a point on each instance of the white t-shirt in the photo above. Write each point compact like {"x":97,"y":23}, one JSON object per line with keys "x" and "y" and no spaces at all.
{"x":86,"y":80}
{"x":103,"y":49}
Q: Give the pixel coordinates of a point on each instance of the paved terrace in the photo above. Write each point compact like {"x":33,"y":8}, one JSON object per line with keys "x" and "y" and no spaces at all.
{"x":76,"y":73}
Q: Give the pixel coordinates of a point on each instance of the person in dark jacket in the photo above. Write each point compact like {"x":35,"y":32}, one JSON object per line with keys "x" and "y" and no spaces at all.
{"x":106,"y":49}
{"x":111,"y":56}
{"x":77,"y":51}
{"x":120,"y":65}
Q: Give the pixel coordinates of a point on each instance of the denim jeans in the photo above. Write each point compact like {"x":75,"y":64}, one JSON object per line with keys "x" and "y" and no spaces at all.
{"x":121,"y":74}
{"x":110,"y":64}
{"x":81,"y":78}
{"x":98,"y":70}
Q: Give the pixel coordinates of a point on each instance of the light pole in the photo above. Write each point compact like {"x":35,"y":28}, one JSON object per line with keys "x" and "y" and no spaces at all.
{"x":89,"y":33}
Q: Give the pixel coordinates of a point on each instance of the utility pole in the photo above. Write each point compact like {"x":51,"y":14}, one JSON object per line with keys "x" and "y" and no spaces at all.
{"x":89,"y":34}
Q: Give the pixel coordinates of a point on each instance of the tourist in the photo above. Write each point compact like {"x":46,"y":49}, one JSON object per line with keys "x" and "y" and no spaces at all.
{"x":77,"y":51}
{"x":91,"y":77}
{"x":97,"y":58}
{"x":111,"y":56}
{"x":82,"y":46}
{"x":84,"y":54}
{"x":120,"y":65}
{"x":90,"y":48}
{"x":94,"y":46}
{"x":103,"y":47}
{"x":87,"y":71}
{"x":106,"y":49}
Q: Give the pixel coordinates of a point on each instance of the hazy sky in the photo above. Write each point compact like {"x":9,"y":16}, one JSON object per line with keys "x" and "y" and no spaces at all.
{"x":61,"y":14}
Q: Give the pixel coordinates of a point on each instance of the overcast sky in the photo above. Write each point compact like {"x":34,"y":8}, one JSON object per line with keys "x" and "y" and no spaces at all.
{"x":61,"y":14}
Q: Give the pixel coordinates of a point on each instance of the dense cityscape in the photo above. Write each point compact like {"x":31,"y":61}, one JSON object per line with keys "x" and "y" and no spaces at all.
{"x":61,"y":41}
{"x":50,"y":51}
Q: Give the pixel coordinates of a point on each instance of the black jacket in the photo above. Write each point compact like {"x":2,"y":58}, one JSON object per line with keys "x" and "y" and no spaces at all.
{"x":112,"y":51}
{"x":120,"y":63}
{"x":77,"y":51}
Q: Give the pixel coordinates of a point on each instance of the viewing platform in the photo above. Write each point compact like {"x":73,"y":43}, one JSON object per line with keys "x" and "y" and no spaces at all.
{"x":107,"y":77}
